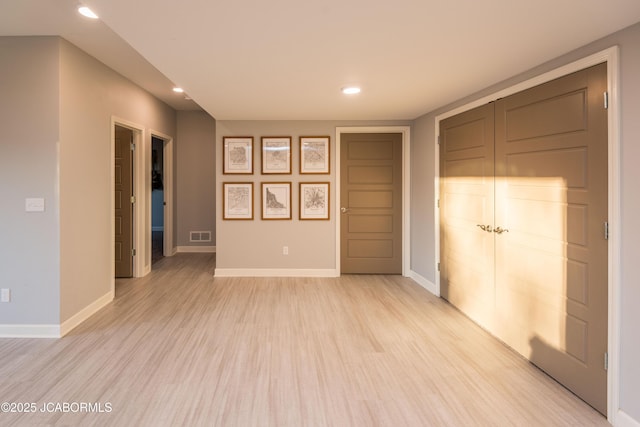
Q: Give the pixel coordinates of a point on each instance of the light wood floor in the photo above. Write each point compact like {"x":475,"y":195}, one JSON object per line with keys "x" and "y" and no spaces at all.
{"x":180,"y":348}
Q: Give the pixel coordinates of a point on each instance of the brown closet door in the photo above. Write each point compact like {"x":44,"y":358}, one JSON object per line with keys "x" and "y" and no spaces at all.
{"x":551,"y":196}
{"x":466,"y":213}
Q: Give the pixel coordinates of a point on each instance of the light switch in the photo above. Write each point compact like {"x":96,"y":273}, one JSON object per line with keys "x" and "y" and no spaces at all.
{"x":34,"y":205}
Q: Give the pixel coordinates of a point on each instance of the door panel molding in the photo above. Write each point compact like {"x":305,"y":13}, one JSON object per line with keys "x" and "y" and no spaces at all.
{"x":611,"y":57}
{"x":406,"y":188}
{"x":123,"y":167}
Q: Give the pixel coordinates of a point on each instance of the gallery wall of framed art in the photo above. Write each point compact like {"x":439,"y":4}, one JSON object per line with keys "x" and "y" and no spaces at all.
{"x":277,"y":199}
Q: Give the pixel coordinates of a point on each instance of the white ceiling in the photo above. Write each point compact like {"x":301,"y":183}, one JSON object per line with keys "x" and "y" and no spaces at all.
{"x":288,"y":59}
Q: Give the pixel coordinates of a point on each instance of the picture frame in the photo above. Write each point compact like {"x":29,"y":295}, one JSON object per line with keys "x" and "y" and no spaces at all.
{"x":276,"y":155}
{"x":276,"y":200}
{"x":237,"y":155}
{"x":315,"y":155}
{"x":315,"y":200}
{"x":237,"y":200}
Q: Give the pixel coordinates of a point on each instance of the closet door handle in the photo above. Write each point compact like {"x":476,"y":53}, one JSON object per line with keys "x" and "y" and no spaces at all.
{"x":500,"y":230}
{"x":486,"y":228}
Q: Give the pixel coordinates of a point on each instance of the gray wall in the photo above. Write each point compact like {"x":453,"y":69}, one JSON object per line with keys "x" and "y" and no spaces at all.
{"x":29,"y":150}
{"x":424,"y":240}
{"x":90,"y":94}
{"x":258,"y":244}
{"x":55,"y":114}
{"x":196,"y":176}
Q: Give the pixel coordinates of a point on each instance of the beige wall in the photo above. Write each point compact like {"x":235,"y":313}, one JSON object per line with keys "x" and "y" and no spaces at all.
{"x":196,"y":176}
{"x":424,"y":240}
{"x":258,"y":244}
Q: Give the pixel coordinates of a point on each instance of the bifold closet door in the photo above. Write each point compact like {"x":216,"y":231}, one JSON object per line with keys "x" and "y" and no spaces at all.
{"x":467,"y":213}
{"x":551,"y":196}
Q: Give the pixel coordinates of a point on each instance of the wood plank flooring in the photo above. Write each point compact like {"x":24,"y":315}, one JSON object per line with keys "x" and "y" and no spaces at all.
{"x":182,"y":348}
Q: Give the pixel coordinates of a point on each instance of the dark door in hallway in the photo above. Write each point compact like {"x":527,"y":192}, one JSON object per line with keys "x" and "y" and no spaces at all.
{"x":123,"y":202}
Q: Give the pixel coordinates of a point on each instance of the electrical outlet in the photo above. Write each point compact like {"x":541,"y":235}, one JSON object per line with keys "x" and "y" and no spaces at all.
{"x":5,"y":295}
{"x":285,"y":250}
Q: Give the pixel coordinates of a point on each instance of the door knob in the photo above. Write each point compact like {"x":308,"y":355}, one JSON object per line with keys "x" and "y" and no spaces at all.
{"x":344,"y":210}
{"x":500,"y":230}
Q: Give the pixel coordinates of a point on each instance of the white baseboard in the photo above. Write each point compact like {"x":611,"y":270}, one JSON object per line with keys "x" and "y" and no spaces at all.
{"x":625,"y":420}
{"x":427,"y":284}
{"x":85,"y":313}
{"x":29,"y":331}
{"x":196,"y":249}
{"x":274,"y":272}
{"x":55,"y":331}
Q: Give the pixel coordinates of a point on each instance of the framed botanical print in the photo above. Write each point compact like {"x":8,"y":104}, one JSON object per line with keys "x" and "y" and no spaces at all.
{"x":314,"y":200}
{"x":237,"y":200}
{"x":276,"y":200}
{"x":314,"y":155}
{"x":276,"y":155}
{"x":237,"y":155}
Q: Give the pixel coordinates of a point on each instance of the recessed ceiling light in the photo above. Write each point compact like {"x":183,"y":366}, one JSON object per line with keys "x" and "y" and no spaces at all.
{"x":350,"y":90}
{"x":85,"y":11}
{"x":178,"y":90}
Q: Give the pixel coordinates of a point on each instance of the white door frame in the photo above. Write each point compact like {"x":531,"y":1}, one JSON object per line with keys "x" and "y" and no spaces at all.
{"x":167,"y":187}
{"x":611,"y":57}
{"x":142,"y":193}
{"x":406,"y":188}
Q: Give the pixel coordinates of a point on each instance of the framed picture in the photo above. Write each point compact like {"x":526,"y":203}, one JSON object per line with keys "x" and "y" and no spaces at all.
{"x":276,"y":155}
{"x":314,"y":155}
{"x":276,"y":200}
{"x":237,"y":200}
{"x":314,"y":200}
{"x":237,"y":155}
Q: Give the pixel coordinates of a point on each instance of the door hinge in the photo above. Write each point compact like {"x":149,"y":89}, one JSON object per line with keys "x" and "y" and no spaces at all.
{"x":133,"y":146}
{"x":438,"y":203}
{"x":133,"y":252}
{"x":133,"y":199}
{"x":606,"y":361}
{"x":606,"y":100}
{"x":606,"y":231}
{"x":438,"y":139}
{"x":438,"y":266}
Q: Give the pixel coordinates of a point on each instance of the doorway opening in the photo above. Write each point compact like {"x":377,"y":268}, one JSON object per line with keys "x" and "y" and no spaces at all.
{"x":160,"y":196}
{"x":157,"y":199}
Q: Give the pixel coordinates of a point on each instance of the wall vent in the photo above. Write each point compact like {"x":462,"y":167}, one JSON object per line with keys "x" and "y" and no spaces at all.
{"x":199,"y":236}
